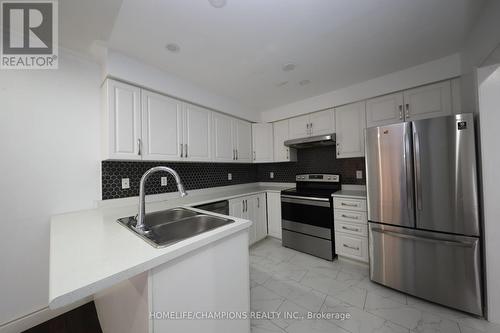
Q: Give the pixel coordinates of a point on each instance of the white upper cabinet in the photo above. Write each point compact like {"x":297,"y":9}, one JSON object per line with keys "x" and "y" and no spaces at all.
{"x":299,"y":127}
{"x":162,"y":127}
{"x":322,"y":122}
{"x":262,"y":142}
{"x":433,"y":100}
{"x":429,"y":101}
{"x":223,"y":138}
{"x":317,"y":123}
{"x":232,"y":139}
{"x":197,"y":133}
{"x":282,"y":153}
{"x":122,"y":121}
{"x":384,"y":110}
{"x":349,"y":127}
{"x":242,"y":131}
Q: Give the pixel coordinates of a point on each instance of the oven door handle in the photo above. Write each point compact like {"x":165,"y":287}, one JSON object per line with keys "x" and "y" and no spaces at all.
{"x":309,"y":201}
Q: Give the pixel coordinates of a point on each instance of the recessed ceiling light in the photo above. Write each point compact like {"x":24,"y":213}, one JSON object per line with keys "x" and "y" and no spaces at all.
{"x":304,"y":82}
{"x":217,"y":3}
{"x":172,"y":47}
{"x":281,"y":84}
{"x":288,"y":67}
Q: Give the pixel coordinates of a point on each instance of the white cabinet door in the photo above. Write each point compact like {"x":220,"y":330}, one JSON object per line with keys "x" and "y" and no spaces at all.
{"x":274,"y":214}
{"x":243,"y":140}
{"x":123,"y":121}
{"x":322,"y":122}
{"x":197,"y":133}
{"x":299,"y":127}
{"x":282,"y":153}
{"x":260,"y":206}
{"x":161,"y":127}
{"x":223,"y":149}
{"x":262,"y":142}
{"x":384,"y":110}
{"x":243,"y":208}
{"x":350,"y":124}
{"x":429,"y":101}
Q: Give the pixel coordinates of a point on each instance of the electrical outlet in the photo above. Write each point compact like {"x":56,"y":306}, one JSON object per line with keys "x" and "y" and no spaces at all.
{"x":229,"y":176}
{"x":163,"y":181}
{"x":359,"y":174}
{"x":271,"y":175}
{"x":125,"y":183}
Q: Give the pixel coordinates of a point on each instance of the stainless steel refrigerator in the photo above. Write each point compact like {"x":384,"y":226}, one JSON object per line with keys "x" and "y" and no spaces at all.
{"x":424,"y":233}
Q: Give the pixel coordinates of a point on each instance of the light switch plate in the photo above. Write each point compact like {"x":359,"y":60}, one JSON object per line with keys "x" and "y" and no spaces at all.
{"x":163,"y":181}
{"x":359,"y":174}
{"x":125,"y":183}
{"x":271,"y":175}
{"x":229,"y":176}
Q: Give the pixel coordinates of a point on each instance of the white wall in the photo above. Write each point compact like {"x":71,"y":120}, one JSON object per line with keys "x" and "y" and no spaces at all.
{"x":131,"y":70}
{"x":432,"y":71}
{"x":489,"y":115}
{"x":50,"y":148}
{"x":481,"y":41}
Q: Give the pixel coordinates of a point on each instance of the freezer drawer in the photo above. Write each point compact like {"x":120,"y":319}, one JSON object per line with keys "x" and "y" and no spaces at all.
{"x":438,"y":267}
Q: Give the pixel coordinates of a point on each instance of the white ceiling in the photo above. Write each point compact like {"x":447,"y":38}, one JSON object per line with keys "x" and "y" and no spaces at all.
{"x":237,"y":51}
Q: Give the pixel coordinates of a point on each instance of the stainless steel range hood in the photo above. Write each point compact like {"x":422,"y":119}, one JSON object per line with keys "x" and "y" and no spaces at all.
{"x":312,"y":141}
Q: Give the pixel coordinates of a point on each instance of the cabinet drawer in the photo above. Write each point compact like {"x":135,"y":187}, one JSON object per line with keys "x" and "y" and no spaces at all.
{"x":350,"y":216}
{"x":350,"y":204}
{"x":351,"y":228}
{"x":351,"y":246}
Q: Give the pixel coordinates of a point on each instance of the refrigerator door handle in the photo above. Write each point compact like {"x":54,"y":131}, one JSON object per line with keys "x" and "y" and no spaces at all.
{"x":440,"y":241}
{"x":408,"y":172}
{"x":418,"y":176}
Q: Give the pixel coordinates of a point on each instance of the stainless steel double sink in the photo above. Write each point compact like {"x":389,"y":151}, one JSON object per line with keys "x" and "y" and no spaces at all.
{"x":164,"y":228}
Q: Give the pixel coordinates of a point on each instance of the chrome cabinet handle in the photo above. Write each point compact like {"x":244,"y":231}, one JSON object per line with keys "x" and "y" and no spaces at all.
{"x":350,"y":229}
{"x":400,"y":112}
{"x":186,"y":150}
{"x":311,"y":128}
{"x":236,"y":154}
{"x":258,"y":202}
{"x":254,"y":155}
{"x":348,"y":205}
{"x":139,"y":152}
{"x":338,"y":148}
{"x":287,"y":153}
{"x":407,"y":106}
{"x":351,"y":247}
{"x":350,"y":217}
{"x":182,"y":150}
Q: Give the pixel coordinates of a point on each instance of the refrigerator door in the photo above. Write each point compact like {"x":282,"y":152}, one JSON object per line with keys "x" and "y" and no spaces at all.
{"x":445,"y":175}
{"x":440,"y":268}
{"x":389,"y":174}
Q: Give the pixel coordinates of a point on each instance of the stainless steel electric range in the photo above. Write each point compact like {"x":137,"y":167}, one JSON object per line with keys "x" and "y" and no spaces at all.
{"x":307,"y":215}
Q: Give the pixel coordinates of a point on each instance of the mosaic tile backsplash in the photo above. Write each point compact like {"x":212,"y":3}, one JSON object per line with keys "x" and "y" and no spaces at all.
{"x":205,"y":175}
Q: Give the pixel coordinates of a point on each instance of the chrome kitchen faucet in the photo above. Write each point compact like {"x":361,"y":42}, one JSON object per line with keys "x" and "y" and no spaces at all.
{"x":139,"y":225}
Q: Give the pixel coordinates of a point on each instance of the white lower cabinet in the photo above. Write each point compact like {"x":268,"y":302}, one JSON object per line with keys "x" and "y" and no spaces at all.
{"x":351,"y":228}
{"x":214,"y":278}
{"x":253,"y":208}
{"x":274,"y":214}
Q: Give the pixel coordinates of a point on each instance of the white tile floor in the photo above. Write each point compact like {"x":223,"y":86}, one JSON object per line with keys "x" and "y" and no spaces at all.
{"x":285,"y":280}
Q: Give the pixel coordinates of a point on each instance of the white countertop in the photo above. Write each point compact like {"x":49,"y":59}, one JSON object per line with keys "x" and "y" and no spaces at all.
{"x":356,"y":194}
{"x":90,"y":251}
